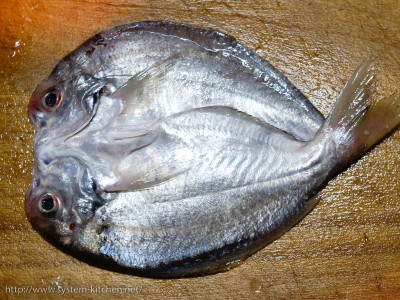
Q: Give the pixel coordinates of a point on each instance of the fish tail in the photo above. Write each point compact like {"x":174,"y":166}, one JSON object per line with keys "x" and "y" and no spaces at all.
{"x":356,"y":123}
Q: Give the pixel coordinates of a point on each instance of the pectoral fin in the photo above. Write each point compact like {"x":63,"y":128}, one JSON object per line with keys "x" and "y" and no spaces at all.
{"x":122,"y":139}
{"x":157,"y":157}
{"x":141,"y":91}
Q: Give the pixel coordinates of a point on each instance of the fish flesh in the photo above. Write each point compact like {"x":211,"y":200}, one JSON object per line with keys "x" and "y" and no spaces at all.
{"x":166,"y":150}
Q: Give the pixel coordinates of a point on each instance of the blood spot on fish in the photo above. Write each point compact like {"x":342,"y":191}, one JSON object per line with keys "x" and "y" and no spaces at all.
{"x":72,"y":227}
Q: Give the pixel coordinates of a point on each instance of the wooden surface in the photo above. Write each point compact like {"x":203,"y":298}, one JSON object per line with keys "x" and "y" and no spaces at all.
{"x":347,"y":248}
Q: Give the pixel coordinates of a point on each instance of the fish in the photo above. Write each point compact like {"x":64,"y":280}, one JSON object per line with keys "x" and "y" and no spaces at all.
{"x":167,"y":150}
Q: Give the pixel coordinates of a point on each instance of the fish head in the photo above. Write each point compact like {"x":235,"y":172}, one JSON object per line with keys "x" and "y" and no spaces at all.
{"x":63,"y":104}
{"x":67,"y":100}
{"x":62,"y":198}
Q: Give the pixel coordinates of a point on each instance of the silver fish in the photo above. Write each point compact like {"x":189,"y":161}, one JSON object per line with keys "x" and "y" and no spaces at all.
{"x":166,"y":150}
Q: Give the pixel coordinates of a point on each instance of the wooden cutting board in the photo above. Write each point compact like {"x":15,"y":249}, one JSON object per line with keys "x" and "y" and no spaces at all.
{"x":347,"y":248}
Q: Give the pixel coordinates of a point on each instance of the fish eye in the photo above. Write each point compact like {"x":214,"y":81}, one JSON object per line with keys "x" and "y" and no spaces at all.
{"x":48,"y":204}
{"x":52,"y":99}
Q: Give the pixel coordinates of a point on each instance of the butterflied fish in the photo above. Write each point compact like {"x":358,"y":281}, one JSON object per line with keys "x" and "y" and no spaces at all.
{"x":166,"y":150}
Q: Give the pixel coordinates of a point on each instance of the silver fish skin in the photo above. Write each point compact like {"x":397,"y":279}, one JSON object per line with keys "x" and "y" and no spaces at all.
{"x":211,"y":68}
{"x":166,"y":150}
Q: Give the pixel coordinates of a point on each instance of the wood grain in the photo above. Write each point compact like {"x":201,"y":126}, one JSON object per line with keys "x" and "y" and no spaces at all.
{"x":347,"y":248}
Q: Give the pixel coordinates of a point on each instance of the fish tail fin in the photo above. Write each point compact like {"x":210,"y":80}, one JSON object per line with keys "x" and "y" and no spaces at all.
{"x":356,"y":123}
